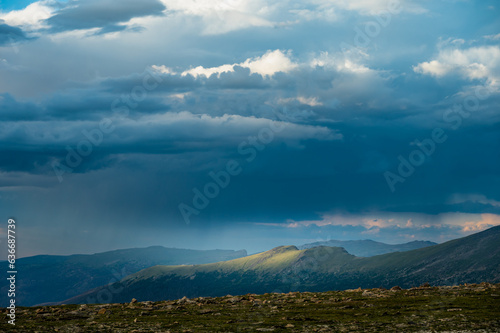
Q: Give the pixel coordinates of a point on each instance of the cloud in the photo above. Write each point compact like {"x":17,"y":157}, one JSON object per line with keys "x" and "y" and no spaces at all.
{"x":32,"y":17}
{"x":371,"y":7}
{"x":310,"y":101}
{"x":222,"y":16}
{"x":400,"y":220}
{"x":435,"y":229}
{"x":268,"y":64}
{"x":11,"y":35}
{"x":475,"y":63}
{"x":486,"y":221}
{"x":493,"y":37}
{"x":167,"y":133}
{"x":216,"y":16}
{"x":320,"y":81}
{"x":227,"y":69}
{"x":12,"y":110}
{"x":347,"y":62}
{"x":341,"y":220}
{"x":384,"y":225}
{"x":474,"y":198}
{"x":107,"y":15}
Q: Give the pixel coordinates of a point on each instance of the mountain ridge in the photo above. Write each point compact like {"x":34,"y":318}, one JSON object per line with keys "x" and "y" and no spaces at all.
{"x":466,"y":260}
{"x":78,"y":273}
{"x":368,"y":247}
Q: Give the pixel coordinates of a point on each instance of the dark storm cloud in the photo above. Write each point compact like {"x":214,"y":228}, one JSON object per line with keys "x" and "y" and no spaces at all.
{"x":372,"y":140}
{"x":12,"y":110}
{"x":104,"y":14}
{"x":169,"y":83}
{"x":93,"y":105}
{"x":11,"y":35}
{"x":348,"y":121}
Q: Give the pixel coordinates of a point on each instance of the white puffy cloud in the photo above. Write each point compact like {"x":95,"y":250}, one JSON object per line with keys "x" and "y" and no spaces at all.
{"x":323,"y":79}
{"x":267,"y":65}
{"x":270,"y":63}
{"x":276,"y":61}
{"x":475,"y":63}
{"x":486,"y":221}
{"x":340,"y":62}
{"x":30,"y":18}
{"x":207,"y":72}
{"x":404,"y":222}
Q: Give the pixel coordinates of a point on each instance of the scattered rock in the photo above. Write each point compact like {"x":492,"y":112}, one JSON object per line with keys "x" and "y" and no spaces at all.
{"x":240,"y":313}
{"x":41,"y":311}
{"x":76,"y":315}
{"x":184,"y":300}
{"x":102,"y":311}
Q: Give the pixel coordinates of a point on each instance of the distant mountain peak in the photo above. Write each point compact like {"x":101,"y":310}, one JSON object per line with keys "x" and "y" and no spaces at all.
{"x":283,"y":248}
{"x":332,"y":250}
{"x":368,"y":247}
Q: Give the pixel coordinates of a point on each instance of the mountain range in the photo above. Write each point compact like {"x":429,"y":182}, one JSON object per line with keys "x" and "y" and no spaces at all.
{"x":49,"y":278}
{"x":471,"y":259}
{"x":368,"y":247}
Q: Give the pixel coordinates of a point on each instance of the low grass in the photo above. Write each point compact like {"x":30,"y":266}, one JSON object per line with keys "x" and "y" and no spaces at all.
{"x":444,"y":309}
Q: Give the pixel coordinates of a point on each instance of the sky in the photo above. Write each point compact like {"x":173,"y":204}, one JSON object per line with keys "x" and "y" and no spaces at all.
{"x":238,"y":124}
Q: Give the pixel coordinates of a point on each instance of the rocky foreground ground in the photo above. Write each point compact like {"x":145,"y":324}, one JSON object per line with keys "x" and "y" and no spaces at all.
{"x":464,"y":308}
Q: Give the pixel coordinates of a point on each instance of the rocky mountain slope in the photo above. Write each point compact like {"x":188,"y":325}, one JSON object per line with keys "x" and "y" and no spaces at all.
{"x":425,"y":309}
{"x":470,"y":259}
{"x":48,"y":278}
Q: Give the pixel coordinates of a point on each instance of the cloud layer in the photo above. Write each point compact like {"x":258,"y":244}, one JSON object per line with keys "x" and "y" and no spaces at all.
{"x":114,"y":113}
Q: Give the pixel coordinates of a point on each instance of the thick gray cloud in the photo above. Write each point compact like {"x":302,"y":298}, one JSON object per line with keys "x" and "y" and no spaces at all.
{"x":104,"y":14}
{"x":12,"y":110}
{"x":188,"y":93}
{"x":10,"y":35}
